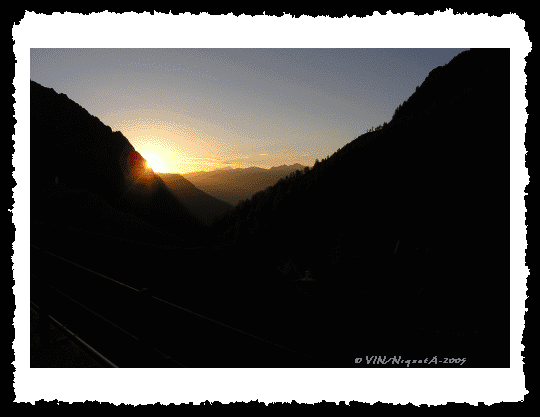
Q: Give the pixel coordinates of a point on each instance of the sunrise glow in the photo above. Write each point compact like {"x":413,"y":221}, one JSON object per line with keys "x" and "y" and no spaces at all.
{"x":154,"y":161}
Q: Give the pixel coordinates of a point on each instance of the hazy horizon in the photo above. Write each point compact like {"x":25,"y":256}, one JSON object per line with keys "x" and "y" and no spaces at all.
{"x":229,"y":168}
{"x":188,"y":110}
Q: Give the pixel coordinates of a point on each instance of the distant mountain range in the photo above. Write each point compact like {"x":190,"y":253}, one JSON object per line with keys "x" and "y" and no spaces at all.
{"x":233,"y":185}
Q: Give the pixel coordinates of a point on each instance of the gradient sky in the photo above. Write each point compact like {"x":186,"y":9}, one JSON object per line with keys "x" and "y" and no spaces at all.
{"x":201,"y":109}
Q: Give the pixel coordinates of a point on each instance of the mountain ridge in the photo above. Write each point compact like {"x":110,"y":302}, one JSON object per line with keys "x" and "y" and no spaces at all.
{"x":236,"y":184}
{"x":401,"y":210}
{"x":202,"y":205}
{"x":73,"y":148}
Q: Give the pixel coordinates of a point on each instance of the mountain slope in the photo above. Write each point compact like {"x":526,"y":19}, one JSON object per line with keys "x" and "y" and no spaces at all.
{"x":202,"y":205}
{"x":71,"y":148}
{"x":234,"y":185}
{"x":413,"y":215}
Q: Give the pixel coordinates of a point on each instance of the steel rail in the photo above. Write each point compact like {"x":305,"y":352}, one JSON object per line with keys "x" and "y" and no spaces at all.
{"x":102,"y":359}
{"x":172,"y":305}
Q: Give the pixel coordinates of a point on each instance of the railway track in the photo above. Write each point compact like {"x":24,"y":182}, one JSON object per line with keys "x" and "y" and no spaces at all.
{"x":135,"y":329}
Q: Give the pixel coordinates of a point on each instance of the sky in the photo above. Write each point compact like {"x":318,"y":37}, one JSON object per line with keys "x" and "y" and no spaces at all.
{"x":197,"y":109}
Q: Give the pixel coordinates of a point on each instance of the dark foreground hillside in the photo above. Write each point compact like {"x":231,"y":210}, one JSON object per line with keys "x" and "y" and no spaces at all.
{"x":79,"y":166}
{"x":408,"y":225}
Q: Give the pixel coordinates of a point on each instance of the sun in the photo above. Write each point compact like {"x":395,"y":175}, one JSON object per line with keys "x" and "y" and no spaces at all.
{"x":155,"y":163}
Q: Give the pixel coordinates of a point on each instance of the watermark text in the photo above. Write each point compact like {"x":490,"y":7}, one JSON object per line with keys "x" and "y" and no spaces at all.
{"x":397,"y":360}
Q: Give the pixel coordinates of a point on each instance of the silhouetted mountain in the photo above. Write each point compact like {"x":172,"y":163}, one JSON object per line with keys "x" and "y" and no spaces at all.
{"x":72,"y":149}
{"x":410,"y":219}
{"x":202,"y":205}
{"x":234,"y":185}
